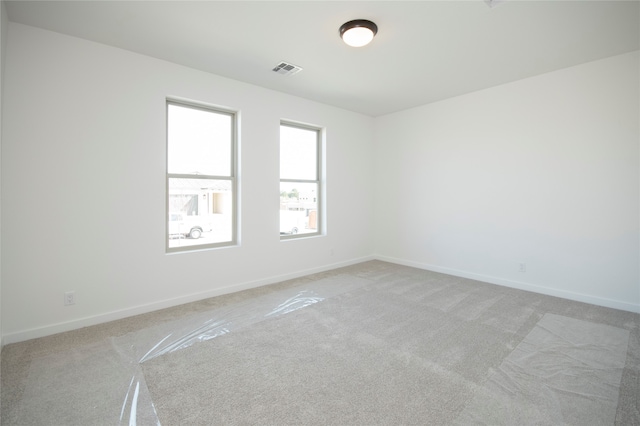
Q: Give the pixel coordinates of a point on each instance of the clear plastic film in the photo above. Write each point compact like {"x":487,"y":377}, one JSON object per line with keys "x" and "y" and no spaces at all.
{"x":565,"y":369}
{"x":535,"y":368}
{"x":162,"y":339}
{"x":121,"y":395}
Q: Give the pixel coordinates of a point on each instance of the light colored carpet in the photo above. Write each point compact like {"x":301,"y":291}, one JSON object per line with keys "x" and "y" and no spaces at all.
{"x":373,"y":343}
{"x":564,"y":369}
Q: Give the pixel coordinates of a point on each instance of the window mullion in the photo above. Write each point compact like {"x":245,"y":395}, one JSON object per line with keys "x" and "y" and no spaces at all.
{"x":300,"y":180}
{"x":189,"y":176}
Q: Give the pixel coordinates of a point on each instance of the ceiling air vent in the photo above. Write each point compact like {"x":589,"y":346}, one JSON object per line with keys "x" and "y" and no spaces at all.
{"x":287,"y":69}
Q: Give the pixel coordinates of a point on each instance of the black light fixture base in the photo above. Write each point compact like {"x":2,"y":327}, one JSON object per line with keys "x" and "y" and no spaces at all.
{"x":359,"y":23}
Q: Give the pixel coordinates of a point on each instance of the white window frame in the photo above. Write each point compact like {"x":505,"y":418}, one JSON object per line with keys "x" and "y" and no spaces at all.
{"x":320,"y":219}
{"x":232,"y":178}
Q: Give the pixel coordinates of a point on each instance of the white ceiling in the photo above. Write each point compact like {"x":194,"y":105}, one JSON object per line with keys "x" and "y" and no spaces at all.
{"x":424,"y":51}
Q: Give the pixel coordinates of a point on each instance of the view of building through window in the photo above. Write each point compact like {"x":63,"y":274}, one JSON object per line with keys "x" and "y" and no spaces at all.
{"x":299,"y":180}
{"x":200,"y":176}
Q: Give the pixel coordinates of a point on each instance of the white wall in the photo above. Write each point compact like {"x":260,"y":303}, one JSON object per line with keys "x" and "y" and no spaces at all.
{"x":543,"y":171}
{"x":84,"y":186}
{"x":4,"y":26}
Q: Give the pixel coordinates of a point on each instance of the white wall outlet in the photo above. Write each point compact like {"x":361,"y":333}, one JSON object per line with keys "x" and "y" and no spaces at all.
{"x":331,"y":252}
{"x":70,"y":298}
{"x":522,"y":267}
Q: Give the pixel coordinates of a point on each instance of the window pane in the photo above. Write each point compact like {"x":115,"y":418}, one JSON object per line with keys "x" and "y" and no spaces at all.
{"x":200,"y":211}
{"x":298,"y":208}
{"x":199,"y":141}
{"x":298,"y":153}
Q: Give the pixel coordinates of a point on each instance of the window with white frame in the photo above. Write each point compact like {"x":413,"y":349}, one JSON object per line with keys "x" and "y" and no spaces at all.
{"x":300,"y":190}
{"x":201,"y":182}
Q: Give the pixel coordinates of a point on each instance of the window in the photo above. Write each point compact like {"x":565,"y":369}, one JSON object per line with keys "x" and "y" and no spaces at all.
{"x":201,"y":184}
{"x":300,"y":159}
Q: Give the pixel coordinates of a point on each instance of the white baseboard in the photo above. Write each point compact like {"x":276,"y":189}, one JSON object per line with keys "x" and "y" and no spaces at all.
{"x":593,"y":300}
{"x":49,"y":330}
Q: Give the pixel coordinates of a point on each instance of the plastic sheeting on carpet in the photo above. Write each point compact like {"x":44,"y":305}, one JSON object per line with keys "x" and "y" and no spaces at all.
{"x":121,"y":396}
{"x":564,"y":370}
{"x":443,"y":347}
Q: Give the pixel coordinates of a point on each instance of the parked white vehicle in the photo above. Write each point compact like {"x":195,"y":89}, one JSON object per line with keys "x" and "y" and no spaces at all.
{"x":291,"y":222}
{"x":183,"y":226}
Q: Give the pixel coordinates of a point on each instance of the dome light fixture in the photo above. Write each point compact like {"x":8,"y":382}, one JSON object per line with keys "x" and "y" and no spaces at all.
{"x":358,"y":33}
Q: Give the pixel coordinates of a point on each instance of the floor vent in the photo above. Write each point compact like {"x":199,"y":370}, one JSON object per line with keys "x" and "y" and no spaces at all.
{"x":287,"y":69}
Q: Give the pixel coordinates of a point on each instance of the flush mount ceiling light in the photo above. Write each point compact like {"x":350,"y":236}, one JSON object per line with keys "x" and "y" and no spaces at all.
{"x":358,"y":33}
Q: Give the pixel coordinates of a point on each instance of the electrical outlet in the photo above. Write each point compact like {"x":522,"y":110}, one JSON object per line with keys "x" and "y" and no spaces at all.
{"x":331,"y":252}
{"x":70,"y":298}
{"x":522,"y":267}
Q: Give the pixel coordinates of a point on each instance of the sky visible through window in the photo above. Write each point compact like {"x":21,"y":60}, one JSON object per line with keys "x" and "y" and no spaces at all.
{"x":298,"y":153}
{"x":199,"y":141}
